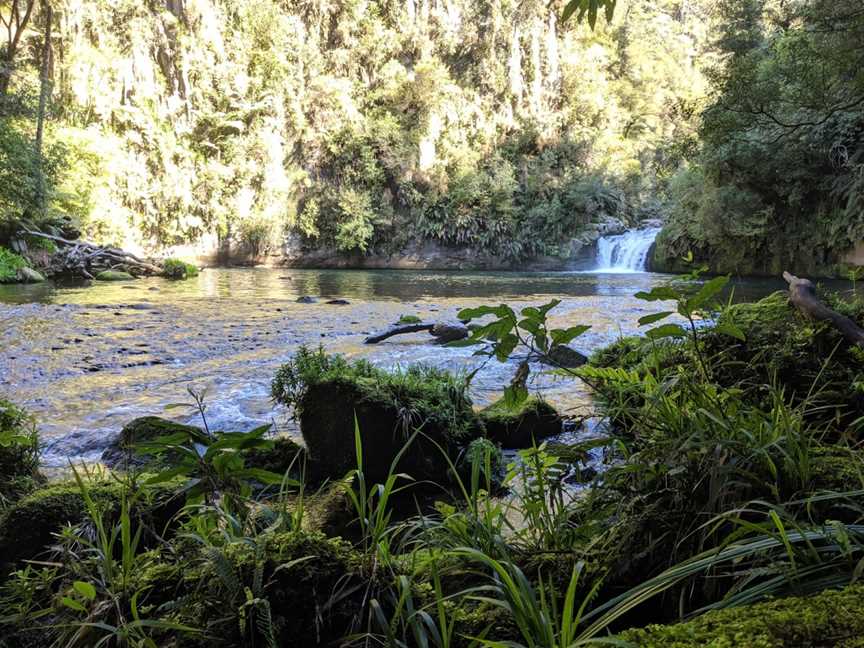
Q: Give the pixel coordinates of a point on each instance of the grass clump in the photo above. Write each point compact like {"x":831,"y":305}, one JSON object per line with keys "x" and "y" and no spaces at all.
{"x":10,"y":264}
{"x":178,"y":270}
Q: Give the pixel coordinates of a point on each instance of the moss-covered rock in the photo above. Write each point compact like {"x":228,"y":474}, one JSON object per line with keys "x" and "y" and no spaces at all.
{"x":330,"y":394}
{"x":28,"y":526}
{"x":519,"y":426}
{"x":285,"y":455}
{"x":121,"y":451}
{"x":832,"y":618}
{"x":299,"y":594}
{"x":114,"y":275}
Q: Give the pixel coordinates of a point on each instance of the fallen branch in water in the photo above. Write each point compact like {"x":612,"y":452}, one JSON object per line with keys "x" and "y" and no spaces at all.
{"x":802,"y":294}
{"x":443,"y":332}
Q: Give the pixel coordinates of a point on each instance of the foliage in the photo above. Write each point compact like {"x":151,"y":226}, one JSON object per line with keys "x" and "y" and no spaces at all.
{"x":778,"y":623}
{"x":177,"y":269}
{"x":19,"y":450}
{"x":10,"y":264}
{"x":776,"y":184}
{"x":211,"y":463}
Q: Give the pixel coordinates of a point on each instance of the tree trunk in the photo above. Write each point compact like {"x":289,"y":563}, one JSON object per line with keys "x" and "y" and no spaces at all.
{"x":802,"y":294}
{"x":44,"y":95}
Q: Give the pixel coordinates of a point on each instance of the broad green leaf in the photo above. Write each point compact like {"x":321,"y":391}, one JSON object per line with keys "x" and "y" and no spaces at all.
{"x":73,"y":604}
{"x":666,"y":331}
{"x":565,"y":336}
{"x":730,"y":329}
{"x":660,"y":293}
{"x":85,"y":589}
{"x":708,"y":290}
{"x":654,"y":317}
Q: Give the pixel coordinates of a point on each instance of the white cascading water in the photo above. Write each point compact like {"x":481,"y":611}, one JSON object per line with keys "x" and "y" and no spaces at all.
{"x":627,"y":252}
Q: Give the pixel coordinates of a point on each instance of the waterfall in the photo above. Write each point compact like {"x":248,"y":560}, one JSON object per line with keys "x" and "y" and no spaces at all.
{"x":625,"y":252}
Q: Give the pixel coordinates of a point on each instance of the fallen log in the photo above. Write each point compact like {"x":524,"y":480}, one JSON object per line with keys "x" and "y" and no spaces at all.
{"x":81,"y":256}
{"x":802,"y":294}
{"x":397,"y":330}
{"x":443,"y":332}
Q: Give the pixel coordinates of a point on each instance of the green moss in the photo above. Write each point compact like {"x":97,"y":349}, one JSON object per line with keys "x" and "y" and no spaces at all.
{"x":27,"y":527}
{"x":409,"y":319}
{"x":328,"y":392}
{"x":177,"y":269}
{"x":298,"y":594}
{"x":10,"y":264}
{"x":827,"y":619}
{"x":114,"y":275}
{"x":517,"y":427}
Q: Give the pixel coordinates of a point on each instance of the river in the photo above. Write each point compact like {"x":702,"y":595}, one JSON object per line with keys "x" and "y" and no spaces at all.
{"x":87,"y":359}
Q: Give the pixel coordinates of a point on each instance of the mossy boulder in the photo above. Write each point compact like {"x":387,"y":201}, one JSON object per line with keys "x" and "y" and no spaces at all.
{"x":832,"y":618}
{"x":518,"y":426}
{"x":114,"y":275}
{"x":121,"y":451}
{"x":329,"y":394}
{"x":28,"y":526}
{"x":302,"y":570}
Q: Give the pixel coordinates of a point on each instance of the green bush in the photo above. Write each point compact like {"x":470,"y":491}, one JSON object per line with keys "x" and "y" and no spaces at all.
{"x":10,"y":264}
{"x":19,"y":451}
{"x":177,"y":269}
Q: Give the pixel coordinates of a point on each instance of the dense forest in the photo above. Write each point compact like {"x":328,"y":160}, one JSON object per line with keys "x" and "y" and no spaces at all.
{"x":350,"y":444}
{"x":359,"y":128}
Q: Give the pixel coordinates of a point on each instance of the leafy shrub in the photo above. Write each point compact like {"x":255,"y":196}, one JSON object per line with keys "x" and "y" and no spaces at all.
{"x":177,"y":269}
{"x":10,"y":264}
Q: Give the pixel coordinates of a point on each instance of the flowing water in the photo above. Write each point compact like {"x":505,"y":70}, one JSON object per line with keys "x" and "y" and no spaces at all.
{"x":85,"y":360}
{"x":625,"y":253}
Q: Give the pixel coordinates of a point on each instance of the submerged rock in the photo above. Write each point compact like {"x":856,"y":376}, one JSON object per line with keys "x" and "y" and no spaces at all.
{"x":306,"y":299}
{"x":114,"y":275}
{"x":518,"y":427}
{"x":338,"y":302}
{"x":566,"y":357}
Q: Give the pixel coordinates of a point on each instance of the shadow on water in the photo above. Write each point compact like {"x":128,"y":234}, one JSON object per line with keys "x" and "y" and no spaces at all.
{"x":87,"y":359}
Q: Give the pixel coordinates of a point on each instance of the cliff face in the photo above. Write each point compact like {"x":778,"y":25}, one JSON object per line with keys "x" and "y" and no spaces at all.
{"x":365,"y":127}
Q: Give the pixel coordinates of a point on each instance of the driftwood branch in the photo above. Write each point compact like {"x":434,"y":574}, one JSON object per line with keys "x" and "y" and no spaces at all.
{"x":802,"y":294}
{"x":81,"y":255}
{"x":397,"y":330}
{"x":443,"y":332}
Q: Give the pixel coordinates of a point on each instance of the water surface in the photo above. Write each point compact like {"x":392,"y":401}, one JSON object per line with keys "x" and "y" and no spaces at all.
{"x":87,"y":359}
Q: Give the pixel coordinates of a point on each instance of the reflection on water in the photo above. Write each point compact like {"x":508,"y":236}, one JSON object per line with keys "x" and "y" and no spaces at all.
{"x":86,"y":360}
